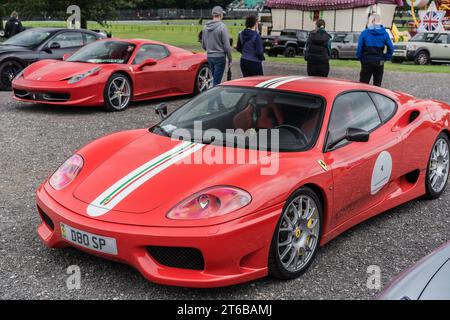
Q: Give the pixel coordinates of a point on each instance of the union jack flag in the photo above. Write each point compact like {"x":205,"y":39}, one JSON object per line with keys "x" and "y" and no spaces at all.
{"x":431,"y":21}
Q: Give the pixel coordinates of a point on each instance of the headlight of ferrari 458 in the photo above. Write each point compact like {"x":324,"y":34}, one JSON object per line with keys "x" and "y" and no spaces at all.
{"x":210,"y":203}
{"x":82,"y":76}
{"x":68,"y":171}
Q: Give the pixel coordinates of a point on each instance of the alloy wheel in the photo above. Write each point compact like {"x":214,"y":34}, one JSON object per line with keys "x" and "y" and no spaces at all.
{"x":9,"y":72}
{"x":439,"y":165}
{"x":298,"y":235}
{"x":204,"y":80}
{"x":119,"y":93}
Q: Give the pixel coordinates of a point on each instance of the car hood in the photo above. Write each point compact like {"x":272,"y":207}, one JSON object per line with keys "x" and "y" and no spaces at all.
{"x":10,"y":49}
{"x":54,"y":70}
{"x":150,"y":174}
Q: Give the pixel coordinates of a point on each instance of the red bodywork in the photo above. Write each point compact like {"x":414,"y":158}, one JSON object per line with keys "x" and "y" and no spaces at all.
{"x":236,"y":246}
{"x":171,"y":76}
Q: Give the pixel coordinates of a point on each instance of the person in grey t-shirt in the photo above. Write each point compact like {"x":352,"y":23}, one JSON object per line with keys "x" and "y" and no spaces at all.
{"x":216,"y":42}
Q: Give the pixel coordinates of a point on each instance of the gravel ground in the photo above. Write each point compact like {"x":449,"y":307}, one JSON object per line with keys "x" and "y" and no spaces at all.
{"x":36,"y":139}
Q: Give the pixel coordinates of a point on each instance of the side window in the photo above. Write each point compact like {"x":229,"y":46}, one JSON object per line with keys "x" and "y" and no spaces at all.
{"x":68,"y":39}
{"x":150,"y":51}
{"x":443,"y":38}
{"x":352,"y":110}
{"x":355,"y":38}
{"x":89,"y":38}
{"x":348,"y":38}
{"x":385,"y":105}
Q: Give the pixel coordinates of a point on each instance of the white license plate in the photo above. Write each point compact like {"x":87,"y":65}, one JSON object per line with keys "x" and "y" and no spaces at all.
{"x":397,"y":54}
{"x":89,"y":240}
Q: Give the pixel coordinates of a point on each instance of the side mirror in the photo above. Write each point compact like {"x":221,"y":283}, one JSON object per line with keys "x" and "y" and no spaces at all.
{"x":162,"y":111}
{"x":353,"y":135}
{"x":66,"y":56}
{"x":54,"y":46}
{"x":147,"y":63}
{"x":357,"y":135}
{"x":438,"y":41}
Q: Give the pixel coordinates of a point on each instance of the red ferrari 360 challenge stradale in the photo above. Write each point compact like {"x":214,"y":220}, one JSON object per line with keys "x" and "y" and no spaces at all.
{"x":344,"y":152}
{"x":113,"y":73}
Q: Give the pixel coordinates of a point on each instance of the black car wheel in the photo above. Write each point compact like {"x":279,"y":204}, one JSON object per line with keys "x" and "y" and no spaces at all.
{"x":297,"y":235}
{"x":438,"y":168}
{"x":334,"y":54}
{"x":272,"y":53}
{"x":118,"y":93}
{"x":290,"y":52}
{"x":8,"y":71}
{"x":422,"y":58}
{"x":396,"y":60}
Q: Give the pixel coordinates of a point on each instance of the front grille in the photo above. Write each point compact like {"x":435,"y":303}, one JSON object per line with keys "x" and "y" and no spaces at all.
{"x":46,"y":219}
{"x":178,"y":257}
{"x":42,"y":96}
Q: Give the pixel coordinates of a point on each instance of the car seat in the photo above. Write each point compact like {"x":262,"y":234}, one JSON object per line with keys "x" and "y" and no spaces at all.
{"x":259,"y":114}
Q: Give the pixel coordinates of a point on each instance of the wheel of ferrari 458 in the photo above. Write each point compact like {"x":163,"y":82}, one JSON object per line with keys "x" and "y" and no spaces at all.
{"x":8,"y":71}
{"x":297,"y":235}
{"x":438,"y":168}
{"x":117,"y":93}
{"x":204,"y":80}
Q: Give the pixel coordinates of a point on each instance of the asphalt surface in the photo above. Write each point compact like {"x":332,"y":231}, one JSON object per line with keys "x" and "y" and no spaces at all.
{"x":36,"y":139}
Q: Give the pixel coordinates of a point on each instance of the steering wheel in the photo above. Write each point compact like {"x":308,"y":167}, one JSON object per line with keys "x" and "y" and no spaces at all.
{"x":299,"y":134}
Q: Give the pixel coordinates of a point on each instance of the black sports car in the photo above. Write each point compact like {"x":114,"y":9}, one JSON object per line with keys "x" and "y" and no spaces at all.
{"x":36,"y":44}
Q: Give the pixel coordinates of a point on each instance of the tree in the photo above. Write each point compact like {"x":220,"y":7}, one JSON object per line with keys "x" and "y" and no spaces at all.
{"x":96,"y":10}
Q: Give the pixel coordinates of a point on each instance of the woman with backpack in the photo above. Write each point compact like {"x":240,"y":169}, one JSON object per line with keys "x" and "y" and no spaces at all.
{"x":250,"y":45}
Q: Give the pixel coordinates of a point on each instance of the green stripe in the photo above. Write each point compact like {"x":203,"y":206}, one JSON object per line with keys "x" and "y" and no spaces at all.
{"x":144,"y":170}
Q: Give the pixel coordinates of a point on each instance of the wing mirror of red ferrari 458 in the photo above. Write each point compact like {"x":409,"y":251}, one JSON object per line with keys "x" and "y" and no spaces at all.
{"x":147,"y":63}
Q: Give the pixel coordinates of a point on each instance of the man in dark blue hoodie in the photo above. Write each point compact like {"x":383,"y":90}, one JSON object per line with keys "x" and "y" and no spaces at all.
{"x":371,"y":51}
{"x":251,"y":47}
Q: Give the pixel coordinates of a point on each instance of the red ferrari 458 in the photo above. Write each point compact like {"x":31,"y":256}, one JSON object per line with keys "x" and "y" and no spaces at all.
{"x":247,"y":179}
{"x":113,"y":73}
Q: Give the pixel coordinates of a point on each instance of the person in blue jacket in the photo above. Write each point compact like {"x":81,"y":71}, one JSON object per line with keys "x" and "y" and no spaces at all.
{"x":372,"y":51}
{"x":251,"y":47}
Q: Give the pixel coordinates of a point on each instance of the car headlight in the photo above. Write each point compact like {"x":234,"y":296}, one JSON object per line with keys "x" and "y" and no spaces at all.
{"x":210,"y":203}
{"x":67,"y":172}
{"x":82,"y":76}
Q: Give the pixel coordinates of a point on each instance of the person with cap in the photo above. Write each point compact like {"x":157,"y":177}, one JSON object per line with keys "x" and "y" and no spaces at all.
{"x":374,"y":48}
{"x":216,"y":42}
{"x":251,"y":47}
{"x":13,"y":26}
{"x":318,"y":51}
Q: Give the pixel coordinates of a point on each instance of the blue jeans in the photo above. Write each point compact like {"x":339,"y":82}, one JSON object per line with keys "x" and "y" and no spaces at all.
{"x":217,"y":65}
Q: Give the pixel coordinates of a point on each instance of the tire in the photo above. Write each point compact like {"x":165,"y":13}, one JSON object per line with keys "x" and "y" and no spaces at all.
{"x":273,"y":53}
{"x":116,"y":97}
{"x":334,"y":54}
{"x":203,"y":80}
{"x":436,"y":179}
{"x":422,"y":58}
{"x":290,"y":52}
{"x":394,"y":60}
{"x":8,"y":71}
{"x":280,"y":265}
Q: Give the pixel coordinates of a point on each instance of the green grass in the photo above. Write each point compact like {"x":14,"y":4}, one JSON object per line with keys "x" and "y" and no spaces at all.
{"x":186,"y":36}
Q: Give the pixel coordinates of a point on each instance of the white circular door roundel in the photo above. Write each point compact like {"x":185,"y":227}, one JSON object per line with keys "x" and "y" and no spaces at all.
{"x":381,"y":172}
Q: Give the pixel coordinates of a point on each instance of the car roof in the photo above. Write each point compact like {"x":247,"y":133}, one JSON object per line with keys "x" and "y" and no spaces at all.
{"x":136,"y":41}
{"x":325,"y":87}
{"x":56,"y":30}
